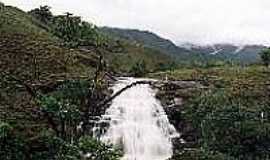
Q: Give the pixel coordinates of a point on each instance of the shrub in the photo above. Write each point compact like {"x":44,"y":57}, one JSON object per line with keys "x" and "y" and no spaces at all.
{"x":63,"y":116}
{"x":265,"y":56}
{"x":139,"y":69}
{"x":229,"y":127}
{"x":96,"y":150}
{"x":11,"y":147}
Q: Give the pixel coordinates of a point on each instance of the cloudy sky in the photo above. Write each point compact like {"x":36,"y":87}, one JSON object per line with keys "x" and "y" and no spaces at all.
{"x":195,"y":21}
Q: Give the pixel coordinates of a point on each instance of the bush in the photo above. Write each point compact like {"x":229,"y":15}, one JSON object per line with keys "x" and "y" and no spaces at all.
{"x":46,"y":146}
{"x":200,"y":154}
{"x":86,"y":148}
{"x":229,"y":127}
{"x":76,"y":91}
{"x":43,"y":13}
{"x":11,"y":147}
{"x":75,"y":32}
{"x":139,"y":69}
{"x":96,"y":150}
{"x":63,"y":116}
{"x":265,"y":56}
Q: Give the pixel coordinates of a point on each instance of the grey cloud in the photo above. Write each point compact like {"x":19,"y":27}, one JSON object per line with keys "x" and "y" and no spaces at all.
{"x":195,"y":21}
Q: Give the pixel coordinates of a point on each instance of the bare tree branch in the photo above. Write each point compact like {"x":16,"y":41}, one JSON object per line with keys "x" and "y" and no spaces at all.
{"x":103,"y":103}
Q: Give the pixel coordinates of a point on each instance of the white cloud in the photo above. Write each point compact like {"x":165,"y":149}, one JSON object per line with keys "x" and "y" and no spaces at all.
{"x":197,"y":21}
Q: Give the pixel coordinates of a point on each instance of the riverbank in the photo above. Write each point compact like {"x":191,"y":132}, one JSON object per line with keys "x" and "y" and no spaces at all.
{"x":225,"y":117}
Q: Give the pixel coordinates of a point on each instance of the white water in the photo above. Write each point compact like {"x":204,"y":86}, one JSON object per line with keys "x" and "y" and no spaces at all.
{"x":139,"y":123}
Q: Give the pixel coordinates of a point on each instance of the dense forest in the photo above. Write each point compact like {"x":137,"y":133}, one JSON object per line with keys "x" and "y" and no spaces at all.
{"x":55,"y":78}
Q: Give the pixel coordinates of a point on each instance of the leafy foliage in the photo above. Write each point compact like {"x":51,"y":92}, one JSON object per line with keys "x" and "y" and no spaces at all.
{"x":11,"y":147}
{"x":230,"y":127}
{"x":200,"y":154}
{"x":229,"y":119}
{"x":73,"y":31}
{"x":61,"y":141}
{"x":43,"y":13}
{"x":265,"y":56}
{"x":94,"y":150}
{"x":139,"y":69}
{"x":54,"y":148}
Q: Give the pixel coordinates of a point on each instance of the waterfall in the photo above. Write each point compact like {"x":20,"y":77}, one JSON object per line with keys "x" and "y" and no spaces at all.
{"x":138,"y":123}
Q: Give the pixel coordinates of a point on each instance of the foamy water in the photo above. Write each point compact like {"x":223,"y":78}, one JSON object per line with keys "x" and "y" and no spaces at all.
{"x":138,"y":122}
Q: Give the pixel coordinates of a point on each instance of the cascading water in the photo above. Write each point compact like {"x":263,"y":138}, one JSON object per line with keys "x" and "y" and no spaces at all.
{"x":138,"y":122}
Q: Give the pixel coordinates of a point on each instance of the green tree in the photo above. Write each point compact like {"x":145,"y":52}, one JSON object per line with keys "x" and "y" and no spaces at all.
{"x":67,"y":27}
{"x":62,"y":115}
{"x":89,"y":35}
{"x":76,"y":32}
{"x":265,"y":56}
{"x":43,"y":13}
{"x":139,"y":68}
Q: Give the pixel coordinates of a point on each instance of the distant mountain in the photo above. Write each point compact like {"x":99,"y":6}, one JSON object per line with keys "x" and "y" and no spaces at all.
{"x":147,"y":39}
{"x":188,"y":51}
{"x":244,"y":53}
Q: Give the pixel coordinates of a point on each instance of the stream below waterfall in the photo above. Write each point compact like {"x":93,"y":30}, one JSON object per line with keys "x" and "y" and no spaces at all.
{"x":138,"y":123}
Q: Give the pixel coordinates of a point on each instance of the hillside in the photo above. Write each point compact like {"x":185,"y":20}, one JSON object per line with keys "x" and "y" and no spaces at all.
{"x":31,"y":59}
{"x":227,"y":119}
{"x":188,"y":52}
{"x":15,"y":22}
{"x":25,"y":46}
{"x":68,"y":91}
{"x":34,"y":62}
{"x":147,"y":39}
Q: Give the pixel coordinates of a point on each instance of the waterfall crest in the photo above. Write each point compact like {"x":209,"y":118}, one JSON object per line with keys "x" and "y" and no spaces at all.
{"x":138,"y":122}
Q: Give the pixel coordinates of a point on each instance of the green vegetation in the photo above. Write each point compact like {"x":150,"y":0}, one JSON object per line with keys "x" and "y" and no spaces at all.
{"x":139,"y":69}
{"x":119,"y":54}
{"x":45,"y":88}
{"x":230,"y":117}
{"x":52,"y":79}
{"x":265,"y":56}
{"x":87,"y":148}
{"x":59,"y":137}
{"x":43,"y":14}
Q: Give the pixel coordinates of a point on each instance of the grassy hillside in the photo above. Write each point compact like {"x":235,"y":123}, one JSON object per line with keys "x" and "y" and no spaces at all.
{"x":36,"y":68}
{"x":49,"y":85}
{"x":189,"y":54}
{"x":126,"y":60}
{"x":229,"y":118}
{"x":14,"y":20}
{"x":30,"y":55}
{"x":30,"y":52}
{"x":147,"y":39}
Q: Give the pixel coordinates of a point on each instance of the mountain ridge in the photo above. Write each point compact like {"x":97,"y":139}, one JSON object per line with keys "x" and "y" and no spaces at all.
{"x":243,"y":53}
{"x":248,"y":53}
{"x":146,"y":38}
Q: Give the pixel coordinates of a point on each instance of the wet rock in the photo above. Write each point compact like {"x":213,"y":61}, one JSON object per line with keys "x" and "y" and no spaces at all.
{"x":173,"y":96}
